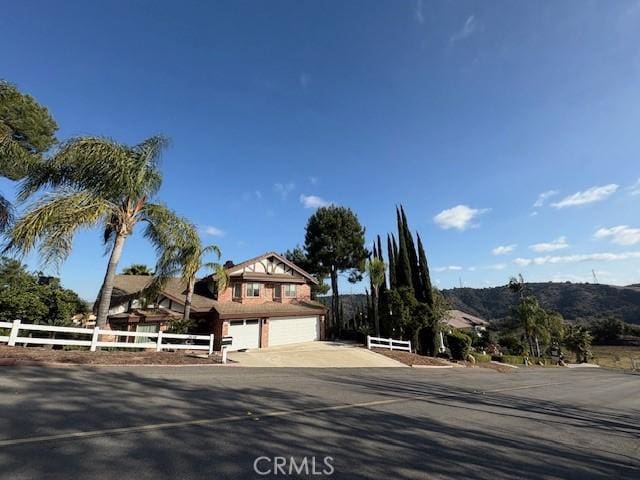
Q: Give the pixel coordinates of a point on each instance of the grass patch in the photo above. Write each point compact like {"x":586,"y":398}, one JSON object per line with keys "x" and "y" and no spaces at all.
{"x":615,"y":356}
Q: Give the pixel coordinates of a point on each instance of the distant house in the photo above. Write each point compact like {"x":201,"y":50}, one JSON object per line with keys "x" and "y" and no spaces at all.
{"x":267,"y":303}
{"x":465,"y":321}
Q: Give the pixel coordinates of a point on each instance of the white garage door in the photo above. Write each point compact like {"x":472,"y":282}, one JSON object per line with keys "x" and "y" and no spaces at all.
{"x":245,"y":333}
{"x":283,"y":331}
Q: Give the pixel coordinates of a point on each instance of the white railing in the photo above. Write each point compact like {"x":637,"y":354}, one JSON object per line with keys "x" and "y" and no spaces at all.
{"x":94,"y":342}
{"x":390,"y":343}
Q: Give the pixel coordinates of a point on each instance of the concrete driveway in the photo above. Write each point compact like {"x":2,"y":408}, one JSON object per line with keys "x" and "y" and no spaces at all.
{"x":313,"y":355}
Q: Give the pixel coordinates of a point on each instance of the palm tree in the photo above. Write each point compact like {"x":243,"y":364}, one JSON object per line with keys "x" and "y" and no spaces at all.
{"x":376,"y":269}
{"x":578,"y":340}
{"x":137,"y":269}
{"x":95,"y":182}
{"x":185,"y":257}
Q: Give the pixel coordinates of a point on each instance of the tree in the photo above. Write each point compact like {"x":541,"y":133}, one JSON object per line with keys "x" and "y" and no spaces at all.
{"x":26,"y":131}
{"x":426,"y":294}
{"x":392,"y":263}
{"x":376,"y":270}
{"x":607,"y":332}
{"x":578,"y":340}
{"x":403,"y":264}
{"x":95,"y":181}
{"x":299,"y":258}
{"x":184,"y":256}
{"x":33,"y":298}
{"x":334,"y":243}
{"x":137,"y":269}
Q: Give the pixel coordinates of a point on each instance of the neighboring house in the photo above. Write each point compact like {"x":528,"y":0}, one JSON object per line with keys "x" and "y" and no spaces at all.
{"x":465,"y":321}
{"x":267,"y":303}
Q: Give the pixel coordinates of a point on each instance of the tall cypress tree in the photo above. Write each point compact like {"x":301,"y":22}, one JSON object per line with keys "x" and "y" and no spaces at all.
{"x":425,"y":278}
{"x":413,"y":256}
{"x":403,"y":265}
{"x":392,"y":263}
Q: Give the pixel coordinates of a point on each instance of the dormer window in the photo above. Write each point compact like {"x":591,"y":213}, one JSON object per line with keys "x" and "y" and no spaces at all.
{"x":237,"y":290}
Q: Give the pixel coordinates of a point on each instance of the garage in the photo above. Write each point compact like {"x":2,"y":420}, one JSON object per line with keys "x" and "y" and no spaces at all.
{"x":245,"y":333}
{"x":286,"y":330}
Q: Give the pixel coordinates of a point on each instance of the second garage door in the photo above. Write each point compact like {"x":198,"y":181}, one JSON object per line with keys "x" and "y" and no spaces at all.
{"x":283,"y":331}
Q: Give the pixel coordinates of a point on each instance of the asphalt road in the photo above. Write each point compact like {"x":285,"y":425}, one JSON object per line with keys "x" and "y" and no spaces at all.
{"x":213,"y":422}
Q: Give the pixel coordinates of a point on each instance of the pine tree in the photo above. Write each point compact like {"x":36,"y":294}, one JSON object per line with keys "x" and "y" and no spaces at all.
{"x":413,"y":256}
{"x":404,"y":278}
{"x":392,"y":263}
{"x":425,"y":278}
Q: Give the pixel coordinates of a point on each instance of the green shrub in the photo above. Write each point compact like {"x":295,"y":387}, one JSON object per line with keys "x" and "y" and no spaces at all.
{"x":512,"y":359}
{"x":512,"y":345}
{"x":459,"y":344}
{"x":481,"y":358}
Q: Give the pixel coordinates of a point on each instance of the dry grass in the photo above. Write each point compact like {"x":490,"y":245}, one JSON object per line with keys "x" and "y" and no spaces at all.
{"x":614,"y":356}
{"x":415,"y":359}
{"x":39,"y":354}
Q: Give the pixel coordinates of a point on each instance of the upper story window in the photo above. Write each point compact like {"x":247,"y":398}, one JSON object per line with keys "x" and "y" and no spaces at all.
{"x":289,"y":290}
{"x":253,"y":289}
{"x":237,"y":290}
{"x":277,"y":291}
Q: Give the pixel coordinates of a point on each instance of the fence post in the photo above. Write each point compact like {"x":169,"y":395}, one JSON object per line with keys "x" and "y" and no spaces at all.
{"x":14,"y":333}
{"x":391,"y":344}
{"x":369,"y":342}
{"x":159,"y":342}
{"x":211,"y":344}
{"x":409,"y":346}
{"x":94,"y":339}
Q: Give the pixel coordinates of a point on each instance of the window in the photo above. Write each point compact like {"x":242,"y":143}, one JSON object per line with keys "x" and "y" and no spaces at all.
{"x":277,"y":291}
{"x":253,"y":289}
{"x":237,"y":290}
{"x":147,"y":328}
{"x":289,"y":290}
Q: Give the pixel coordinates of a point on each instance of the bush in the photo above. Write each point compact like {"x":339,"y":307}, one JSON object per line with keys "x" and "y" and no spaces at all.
{"x":512,"y":359}
{"x":459,"y":344}
{"x":481,"y":358}
{"x":512,"y":345}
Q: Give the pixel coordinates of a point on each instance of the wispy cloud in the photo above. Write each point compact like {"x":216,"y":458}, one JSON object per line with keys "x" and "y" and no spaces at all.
{"x":504,"y":249}
{"x":589,"y":257}
{"x":469,"y":28}
{"x":543,"y":197}
{"x":621,"y":234}
{"x":591,"y":195}
{"x":246,"y":196}
{"x":213,"y":231}
{"x":305,"y":80}
{"x":635,"y":188}
{"x":314,"y":180}
{"x":458,"y":217}
{"x":418,"y":12}
{"x":448,"y":268}
{"x":557,"y":244}
{"x":313,"y":201}
{"x":284,"y":189}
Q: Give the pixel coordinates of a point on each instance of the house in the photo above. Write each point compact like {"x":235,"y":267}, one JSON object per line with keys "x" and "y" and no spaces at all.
{"x":266,"y":303}
{"x":465,"y":321}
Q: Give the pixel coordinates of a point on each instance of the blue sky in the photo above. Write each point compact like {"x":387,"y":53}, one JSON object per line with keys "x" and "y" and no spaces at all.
{"x":465,"y":112}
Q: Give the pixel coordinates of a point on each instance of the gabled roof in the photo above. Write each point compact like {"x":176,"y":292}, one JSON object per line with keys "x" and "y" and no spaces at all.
{"x":460,"y":319}
{"x":292,"y":265}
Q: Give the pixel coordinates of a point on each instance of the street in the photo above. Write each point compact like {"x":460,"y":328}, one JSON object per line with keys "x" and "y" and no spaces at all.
{"x":397,"y":423}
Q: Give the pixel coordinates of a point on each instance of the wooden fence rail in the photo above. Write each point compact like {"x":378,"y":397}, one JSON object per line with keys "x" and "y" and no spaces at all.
{"x":93,"y":342}
{"x":390,"y":343}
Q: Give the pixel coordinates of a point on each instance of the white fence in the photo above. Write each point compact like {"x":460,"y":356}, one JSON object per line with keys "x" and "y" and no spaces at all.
{"x":390,"y":343}
{"x":93,"y":341}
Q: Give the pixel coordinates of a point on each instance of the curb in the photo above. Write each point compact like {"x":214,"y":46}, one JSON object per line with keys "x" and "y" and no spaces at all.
{"x":504,"y":364}
{"x":17,"y":362}
{"x":433,"y":366}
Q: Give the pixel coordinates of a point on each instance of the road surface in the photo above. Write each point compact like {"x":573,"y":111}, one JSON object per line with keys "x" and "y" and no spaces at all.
{"x":216,"y":422}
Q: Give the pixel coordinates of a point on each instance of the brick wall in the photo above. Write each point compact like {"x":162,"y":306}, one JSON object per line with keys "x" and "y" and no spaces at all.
{"x":264,"y":333}
{"x":303,"y":292}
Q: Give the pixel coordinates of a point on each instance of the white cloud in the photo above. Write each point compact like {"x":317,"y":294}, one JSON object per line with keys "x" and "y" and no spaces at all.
{"x":533,"y":214}
{"x":448,"y":268}
{"x":284,"y":189}
{"x":635,"y":188}
{"x":459,"y":217}
{"x":305,"y":80}
{"x":543,"y":197}
{"x":589,"y":257}
{"x":591,"y":195}
{"x":503,"y":249}
{"x":621,"y":235}
{"x":469,"y":27}
{"x":418,"y":12}
{"x":313,"y":201}
{"x":496,"y":266}
{"x":557,"y":244}
{"x":213,"y":231}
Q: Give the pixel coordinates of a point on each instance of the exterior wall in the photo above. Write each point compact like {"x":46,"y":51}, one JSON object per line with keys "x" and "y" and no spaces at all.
{"x":264,"y":332}
{"x":303,"y":292}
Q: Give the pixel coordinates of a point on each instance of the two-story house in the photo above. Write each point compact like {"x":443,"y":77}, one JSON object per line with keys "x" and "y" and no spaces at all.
{"x":267,"y":302}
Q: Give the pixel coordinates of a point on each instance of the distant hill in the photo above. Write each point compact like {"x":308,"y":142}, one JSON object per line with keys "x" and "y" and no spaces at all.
{"x":575,"y":301}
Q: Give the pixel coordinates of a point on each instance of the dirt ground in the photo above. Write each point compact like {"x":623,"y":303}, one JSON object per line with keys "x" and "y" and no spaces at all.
{"x":415,"y":359}
{"x":39,"y":354}
{"x":613,"y":356}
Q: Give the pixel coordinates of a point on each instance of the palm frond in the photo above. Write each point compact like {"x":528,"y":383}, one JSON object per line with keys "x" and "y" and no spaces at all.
{"x":6,"y":213}
{"x":212,"y":249}
{"x":50,"y":223}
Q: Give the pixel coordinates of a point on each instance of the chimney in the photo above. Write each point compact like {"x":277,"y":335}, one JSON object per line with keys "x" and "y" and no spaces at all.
{"x":228,"y":264}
